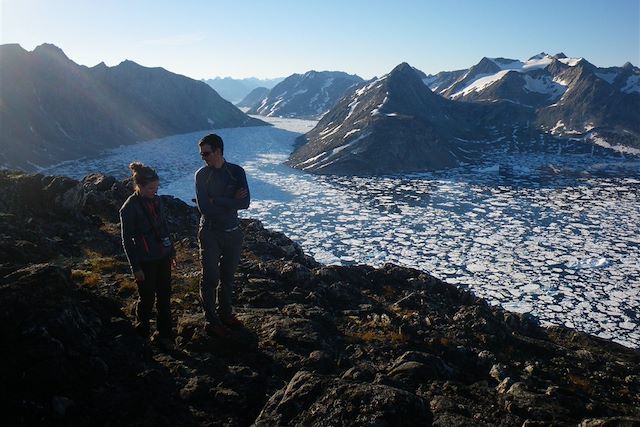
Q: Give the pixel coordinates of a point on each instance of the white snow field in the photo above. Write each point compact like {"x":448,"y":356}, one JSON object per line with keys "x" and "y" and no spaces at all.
{"x":565,"y":248}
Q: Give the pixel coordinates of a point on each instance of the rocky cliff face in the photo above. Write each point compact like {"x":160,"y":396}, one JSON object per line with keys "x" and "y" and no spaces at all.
{"x":323,"y":345}
{"x":54,"y":109}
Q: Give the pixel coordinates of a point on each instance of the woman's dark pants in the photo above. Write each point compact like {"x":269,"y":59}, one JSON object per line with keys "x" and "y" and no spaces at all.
{"x":156,"y":287}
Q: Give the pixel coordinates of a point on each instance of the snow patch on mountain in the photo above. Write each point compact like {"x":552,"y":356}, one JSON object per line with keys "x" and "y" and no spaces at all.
{"x":544,"y":85}
{"x":352,"y":107}
{"x":376,"y":111}
{"x":328,"y":132}
{"x":327,"y":158}
{"x":598,"y":140}
{"x":571,"y":62}
{"x":351,"y":132}
{"x":481,"y":83}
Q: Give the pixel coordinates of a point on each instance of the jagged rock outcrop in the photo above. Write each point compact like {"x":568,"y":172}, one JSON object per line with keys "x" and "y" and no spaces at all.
{"x":55,"y":110}
{"x":323,"y":345}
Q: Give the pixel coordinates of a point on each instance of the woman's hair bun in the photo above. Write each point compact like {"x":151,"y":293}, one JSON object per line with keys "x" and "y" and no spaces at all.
{"x":142,"y":175}
{"x":136,"y":166}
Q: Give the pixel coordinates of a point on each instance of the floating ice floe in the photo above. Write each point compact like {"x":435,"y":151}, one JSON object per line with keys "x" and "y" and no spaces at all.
{"x":589,"y":263}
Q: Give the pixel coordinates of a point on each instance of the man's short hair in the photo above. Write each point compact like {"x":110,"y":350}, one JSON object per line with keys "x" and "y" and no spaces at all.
{"x":214,"y":141}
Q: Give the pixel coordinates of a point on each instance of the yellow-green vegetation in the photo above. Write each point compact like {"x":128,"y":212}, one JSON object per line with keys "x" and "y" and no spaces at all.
{"x":85,"y":278}
{"x":402,"y":313}
{"x":580,"y":382}
{"x":101,"y":264}
{"x":127,"y":285}
{"x":375,"y":336}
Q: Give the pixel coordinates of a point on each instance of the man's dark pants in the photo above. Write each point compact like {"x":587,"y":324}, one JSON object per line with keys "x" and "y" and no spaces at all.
{"x":220,"y":255}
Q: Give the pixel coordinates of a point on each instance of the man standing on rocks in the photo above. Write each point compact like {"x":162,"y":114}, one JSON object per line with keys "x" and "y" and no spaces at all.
{"x":221,"y":189}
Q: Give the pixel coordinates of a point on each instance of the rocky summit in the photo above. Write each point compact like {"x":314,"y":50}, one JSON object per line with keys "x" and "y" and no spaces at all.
{"x":321,"y":345}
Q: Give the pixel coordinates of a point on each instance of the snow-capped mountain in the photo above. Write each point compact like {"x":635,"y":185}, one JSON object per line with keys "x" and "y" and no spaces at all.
{"x":54,"y":109}
{"x":394,"y":125}
{"x":397,"y":124}
{"x":306,"y":96}
{"x":572,"y":96}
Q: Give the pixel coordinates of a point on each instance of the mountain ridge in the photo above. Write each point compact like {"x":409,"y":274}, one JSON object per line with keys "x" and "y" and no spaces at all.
{"x":397,"y":124}
{"x":56,"y":110}
{"x":306,"y":96}
{"x":540,"y":99}
{"x":235,"y":90}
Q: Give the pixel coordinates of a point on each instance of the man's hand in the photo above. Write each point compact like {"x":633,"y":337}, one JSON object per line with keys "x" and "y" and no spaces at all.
{"x":139,"y":275}
{"x":241,"y":193}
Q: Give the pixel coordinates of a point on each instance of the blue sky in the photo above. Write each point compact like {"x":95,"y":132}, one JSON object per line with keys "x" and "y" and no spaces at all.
{"x":275,"y":38}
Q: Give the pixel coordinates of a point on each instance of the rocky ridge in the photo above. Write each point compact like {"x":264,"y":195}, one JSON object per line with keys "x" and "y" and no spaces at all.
{"x":323,"y":345}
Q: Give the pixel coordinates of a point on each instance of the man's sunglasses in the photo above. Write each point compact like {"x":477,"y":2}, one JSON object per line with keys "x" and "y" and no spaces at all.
{"x":204,"y":154}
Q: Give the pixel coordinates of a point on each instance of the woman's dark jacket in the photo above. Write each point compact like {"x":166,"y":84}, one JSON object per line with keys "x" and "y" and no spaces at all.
{"x":143,"y":232}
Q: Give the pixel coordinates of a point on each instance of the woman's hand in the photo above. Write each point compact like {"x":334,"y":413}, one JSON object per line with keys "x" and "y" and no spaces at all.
{"x":139,"y":275}
{"x":173,"y":263}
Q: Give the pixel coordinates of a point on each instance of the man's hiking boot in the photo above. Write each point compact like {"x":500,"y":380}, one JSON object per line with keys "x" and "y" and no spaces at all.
{"x":233,"y":322}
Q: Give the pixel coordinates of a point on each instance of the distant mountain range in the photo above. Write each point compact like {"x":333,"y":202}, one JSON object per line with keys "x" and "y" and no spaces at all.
{"x":235,"y":90}
{"x":52,"y":109}
{"x":409,"y":121}
{"x":306,"y":96}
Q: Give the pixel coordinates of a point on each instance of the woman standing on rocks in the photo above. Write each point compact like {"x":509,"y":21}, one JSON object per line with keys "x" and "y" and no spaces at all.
{"x":150,"y":251}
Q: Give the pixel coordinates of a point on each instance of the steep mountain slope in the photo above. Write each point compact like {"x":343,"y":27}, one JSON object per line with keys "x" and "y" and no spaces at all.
{"x":234,"y":90}
{"x":52,"y":109}
{"x":309,"y":95}
{"x":396,"y":124}
{"x":254,"y":97}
